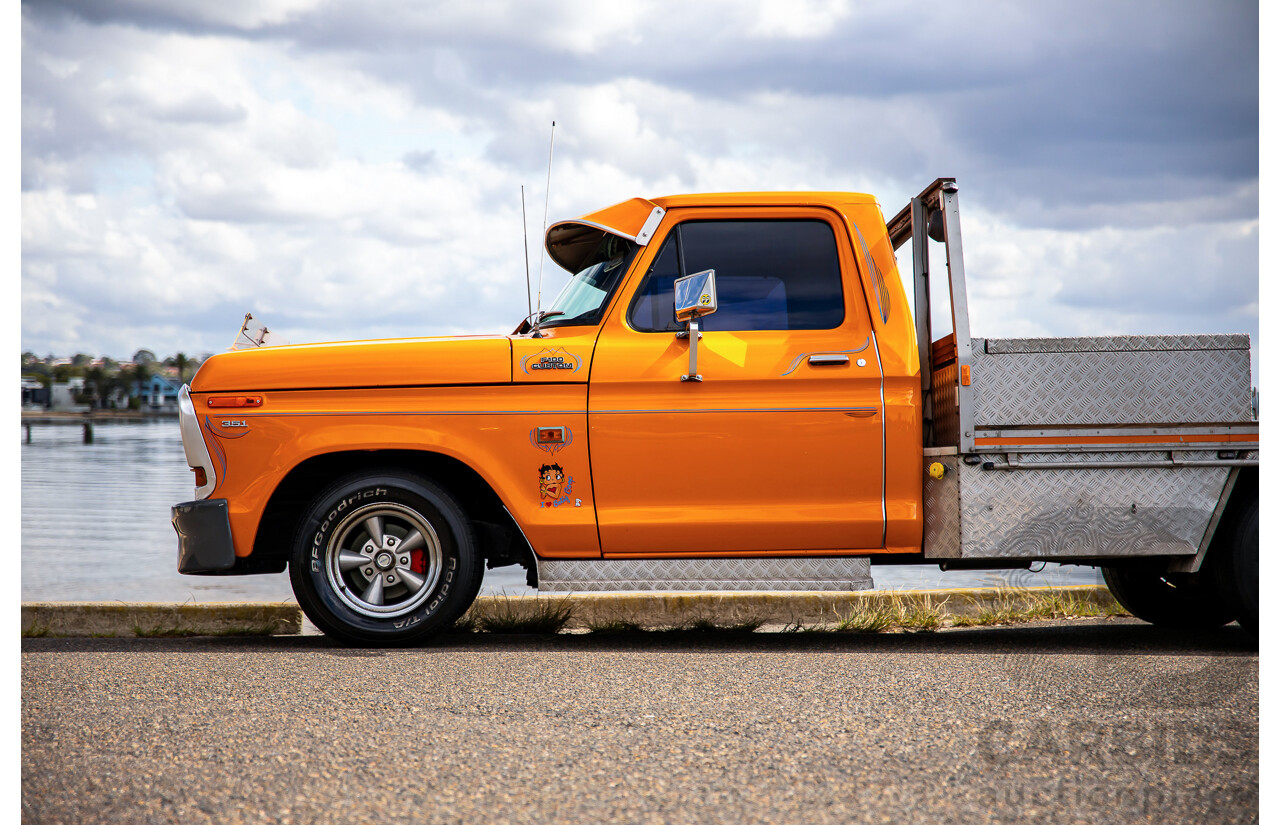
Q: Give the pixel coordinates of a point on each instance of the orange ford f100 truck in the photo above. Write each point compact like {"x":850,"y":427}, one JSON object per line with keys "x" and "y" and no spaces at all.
{"x":732,"y":392}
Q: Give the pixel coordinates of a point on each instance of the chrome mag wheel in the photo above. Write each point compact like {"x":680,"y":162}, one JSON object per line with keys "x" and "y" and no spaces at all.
{"x":383,"y":560}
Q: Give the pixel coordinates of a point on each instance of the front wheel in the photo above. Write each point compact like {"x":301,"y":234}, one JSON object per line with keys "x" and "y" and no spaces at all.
{"x":384,"y":558}
{"x":1184,"y":601}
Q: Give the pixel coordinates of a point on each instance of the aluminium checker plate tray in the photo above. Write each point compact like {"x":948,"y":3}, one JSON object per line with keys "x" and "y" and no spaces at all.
{"x":1108,"y":512}
{"x":1118,"y":380}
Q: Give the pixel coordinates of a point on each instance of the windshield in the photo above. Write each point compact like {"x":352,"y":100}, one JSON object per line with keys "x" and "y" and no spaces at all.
{"x":583,"y":299}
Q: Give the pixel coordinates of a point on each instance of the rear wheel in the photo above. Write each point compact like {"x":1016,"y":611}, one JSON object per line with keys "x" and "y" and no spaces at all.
{"x":1235,"y":567}
{"x":1188,"y":601}
{"x":384,"y":559}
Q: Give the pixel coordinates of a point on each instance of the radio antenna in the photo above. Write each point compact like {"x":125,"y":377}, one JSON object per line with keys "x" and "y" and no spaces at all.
{"x":542,"y":258}
{"x":524,"y":224}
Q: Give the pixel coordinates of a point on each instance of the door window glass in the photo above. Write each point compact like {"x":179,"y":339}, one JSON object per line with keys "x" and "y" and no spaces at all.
{"x":770,"y":275}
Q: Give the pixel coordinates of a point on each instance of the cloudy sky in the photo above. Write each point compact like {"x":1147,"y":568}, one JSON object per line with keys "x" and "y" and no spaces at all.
{"x":353,"y":170}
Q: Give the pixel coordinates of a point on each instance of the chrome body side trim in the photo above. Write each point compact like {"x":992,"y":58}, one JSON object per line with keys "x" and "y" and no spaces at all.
{"x":543,"y":412}
{"x":741,"y":410}
{"x":884,"y":450}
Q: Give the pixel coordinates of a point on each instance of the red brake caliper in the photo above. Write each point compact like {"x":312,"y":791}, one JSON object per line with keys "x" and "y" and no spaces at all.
{"x":418,"y":561}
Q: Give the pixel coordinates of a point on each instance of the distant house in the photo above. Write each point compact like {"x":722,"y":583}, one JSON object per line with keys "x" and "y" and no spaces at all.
{"x":35,"y":396}
{"x":161,"y":392}
{"x":116,"y":398}
{"x":62,"y":396}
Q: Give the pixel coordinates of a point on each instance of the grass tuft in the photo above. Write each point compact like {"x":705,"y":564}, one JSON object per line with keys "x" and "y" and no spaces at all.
{"x":920,"y":614}
{"x":504,"y":614}
{"x":705,"y":625}
{"x":865,"y":618}
{"x":1014,"y":605}
{"x":917,"y":614}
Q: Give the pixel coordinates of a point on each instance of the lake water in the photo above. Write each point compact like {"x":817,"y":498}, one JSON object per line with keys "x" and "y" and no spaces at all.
{"x":95,"y":527}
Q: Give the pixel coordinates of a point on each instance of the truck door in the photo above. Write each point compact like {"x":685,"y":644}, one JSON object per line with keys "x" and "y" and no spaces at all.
{"x":780,"y":446}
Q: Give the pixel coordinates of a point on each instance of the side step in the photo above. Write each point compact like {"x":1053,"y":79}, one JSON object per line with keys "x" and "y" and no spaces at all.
{"x":809,"y":573}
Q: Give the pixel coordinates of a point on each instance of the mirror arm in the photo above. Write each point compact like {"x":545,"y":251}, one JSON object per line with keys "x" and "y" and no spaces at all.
{"x":695,"y":296}
{"x":693,"y":335}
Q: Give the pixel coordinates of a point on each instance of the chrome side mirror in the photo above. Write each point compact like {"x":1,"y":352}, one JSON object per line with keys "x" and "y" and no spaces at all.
{"x":695,"y":297}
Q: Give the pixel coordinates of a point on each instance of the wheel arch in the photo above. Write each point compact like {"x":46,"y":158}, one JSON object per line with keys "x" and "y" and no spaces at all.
{"x":501,"y":540}
{"x":1244,"y":492}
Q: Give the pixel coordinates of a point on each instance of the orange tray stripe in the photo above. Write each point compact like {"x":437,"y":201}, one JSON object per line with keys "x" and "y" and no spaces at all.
{"x":1244,"y":438}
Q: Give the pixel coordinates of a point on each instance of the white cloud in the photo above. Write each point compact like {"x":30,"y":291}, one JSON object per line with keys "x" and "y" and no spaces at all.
{"x":798,"y":18}
{"x":354,"y":170}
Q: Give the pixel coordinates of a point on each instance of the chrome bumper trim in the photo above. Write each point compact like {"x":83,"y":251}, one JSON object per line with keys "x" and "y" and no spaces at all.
{"x":193,"y":443}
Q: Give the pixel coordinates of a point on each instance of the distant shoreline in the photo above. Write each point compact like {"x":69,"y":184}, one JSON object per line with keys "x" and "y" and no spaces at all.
{"x":66,"y":416}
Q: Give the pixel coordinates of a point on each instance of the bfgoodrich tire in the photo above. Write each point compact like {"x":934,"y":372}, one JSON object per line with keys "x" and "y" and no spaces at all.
{"x":1186,"y":601}
{"x":385,"y":558}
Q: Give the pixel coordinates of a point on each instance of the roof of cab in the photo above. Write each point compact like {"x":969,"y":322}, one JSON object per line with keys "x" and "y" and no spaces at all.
{"x":763,"y":199}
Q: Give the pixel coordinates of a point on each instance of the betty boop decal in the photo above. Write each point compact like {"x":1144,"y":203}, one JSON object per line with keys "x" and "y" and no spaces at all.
{"x":554,"y":488}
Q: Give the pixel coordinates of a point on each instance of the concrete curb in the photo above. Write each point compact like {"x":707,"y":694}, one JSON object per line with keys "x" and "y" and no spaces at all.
{"x":108,"y":619}
{"x":646,"y":610}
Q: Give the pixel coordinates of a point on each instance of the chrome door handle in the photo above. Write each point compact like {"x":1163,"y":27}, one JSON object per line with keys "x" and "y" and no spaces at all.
{"x":833,"y":359}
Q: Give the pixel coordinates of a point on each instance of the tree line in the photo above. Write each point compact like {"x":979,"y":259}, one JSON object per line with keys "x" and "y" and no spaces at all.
{"x":107,"y":378}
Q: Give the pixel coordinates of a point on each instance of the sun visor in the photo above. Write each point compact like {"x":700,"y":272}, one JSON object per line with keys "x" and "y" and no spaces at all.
{"x":570,"y":243}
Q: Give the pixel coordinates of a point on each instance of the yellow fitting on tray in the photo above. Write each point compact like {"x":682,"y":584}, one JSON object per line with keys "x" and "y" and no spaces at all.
{"x":937,"y":469}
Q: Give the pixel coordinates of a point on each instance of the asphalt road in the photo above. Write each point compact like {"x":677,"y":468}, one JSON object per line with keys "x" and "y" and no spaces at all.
{"x":1091,"y":722}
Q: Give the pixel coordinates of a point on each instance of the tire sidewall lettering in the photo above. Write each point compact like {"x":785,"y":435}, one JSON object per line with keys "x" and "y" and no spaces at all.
{"x":446,"y":582}
{"x":318,"y":541}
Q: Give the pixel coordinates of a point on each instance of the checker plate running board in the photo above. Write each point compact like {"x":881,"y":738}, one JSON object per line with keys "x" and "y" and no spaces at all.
{"x":576,"y":575}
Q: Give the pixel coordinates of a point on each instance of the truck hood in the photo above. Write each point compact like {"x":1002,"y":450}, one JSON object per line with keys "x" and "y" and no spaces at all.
{"x":391,"y":363}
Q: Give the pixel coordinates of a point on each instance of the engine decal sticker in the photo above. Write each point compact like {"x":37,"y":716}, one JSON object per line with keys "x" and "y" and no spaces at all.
{"x":554,"y":360}
{"x":551,"y":439}
{"x":554,"y":487}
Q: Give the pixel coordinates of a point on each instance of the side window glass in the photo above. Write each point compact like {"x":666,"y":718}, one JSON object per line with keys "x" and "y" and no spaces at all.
{"x":653,"y":309}
{"x":770,"y":275}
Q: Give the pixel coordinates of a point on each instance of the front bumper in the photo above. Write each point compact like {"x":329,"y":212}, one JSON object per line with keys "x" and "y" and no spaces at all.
{"x":204,"y":536}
